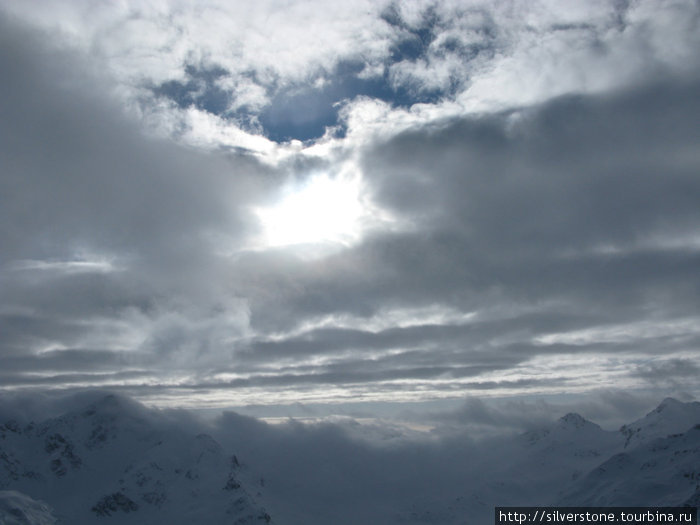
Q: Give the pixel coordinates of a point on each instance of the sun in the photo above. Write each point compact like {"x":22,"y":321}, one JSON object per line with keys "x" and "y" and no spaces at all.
{"x":323,"y":210}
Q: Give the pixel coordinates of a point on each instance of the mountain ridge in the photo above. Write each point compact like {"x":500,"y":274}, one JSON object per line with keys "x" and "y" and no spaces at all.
{"x":115,"y":460}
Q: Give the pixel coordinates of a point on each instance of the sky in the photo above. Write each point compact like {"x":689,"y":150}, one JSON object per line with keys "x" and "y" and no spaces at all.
{"x":378,"y":204}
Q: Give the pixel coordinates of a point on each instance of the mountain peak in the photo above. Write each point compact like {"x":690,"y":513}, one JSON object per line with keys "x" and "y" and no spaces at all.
{"x":668,"y":402}
{"x":107,"y":402}
{"x":573,"y":420}
{"x":571,"y":426}
{"x":113,"y":405}
{"x":671,"y":408}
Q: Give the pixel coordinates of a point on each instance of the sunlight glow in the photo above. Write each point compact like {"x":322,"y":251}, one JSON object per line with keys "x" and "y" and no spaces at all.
{"x":323,"y":210}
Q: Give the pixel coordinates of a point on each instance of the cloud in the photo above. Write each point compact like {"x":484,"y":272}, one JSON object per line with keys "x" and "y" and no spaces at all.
{"x":540,"y":222}
{"x":487,"y":417}
{"x":257,"y":67}
{"x":516,"y":245}
{"x":110,"y":238}
{"x":165,"y":52}
{"x":676,"y":373}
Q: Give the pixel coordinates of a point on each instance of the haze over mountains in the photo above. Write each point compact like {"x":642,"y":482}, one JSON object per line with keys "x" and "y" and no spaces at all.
{"x":112,"y":460}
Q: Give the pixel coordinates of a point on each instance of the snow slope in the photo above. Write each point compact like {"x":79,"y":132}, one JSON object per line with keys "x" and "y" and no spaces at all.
{"x":660,"y":472}
{"x":670,"y":417}
{"x":19,"y":509}
{"x":116,"y":459}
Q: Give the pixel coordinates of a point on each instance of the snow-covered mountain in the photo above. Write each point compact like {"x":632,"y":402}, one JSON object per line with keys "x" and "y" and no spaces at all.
{"x":574,"y":462}
{"x":115,"y":461}
{"x":659,"y":464}
{"x":670,"y":417}
{"x":115,"y":458}
{"x":533,"y":468}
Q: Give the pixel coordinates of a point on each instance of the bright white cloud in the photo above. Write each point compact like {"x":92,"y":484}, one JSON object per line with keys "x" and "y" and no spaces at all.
{"x":68,"y":267}
{"x":482,"y":55}
{"x":625,"y":333}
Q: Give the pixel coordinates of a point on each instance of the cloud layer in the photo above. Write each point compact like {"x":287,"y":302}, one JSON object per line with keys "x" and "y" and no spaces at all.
{"x":528,"y":171}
